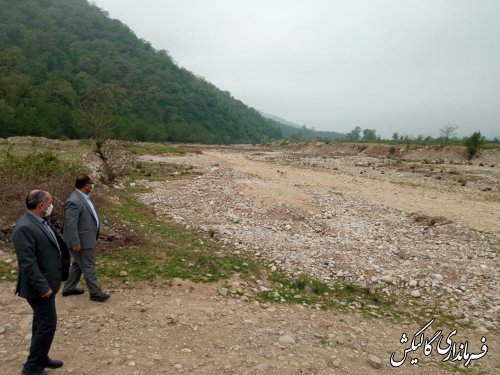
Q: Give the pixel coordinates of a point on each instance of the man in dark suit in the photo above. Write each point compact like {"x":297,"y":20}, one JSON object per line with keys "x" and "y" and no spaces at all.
{"x":43,"y":260}
{"x":81,"y":229}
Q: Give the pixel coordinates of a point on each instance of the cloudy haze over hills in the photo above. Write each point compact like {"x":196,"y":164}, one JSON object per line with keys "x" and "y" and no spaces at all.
{"x":407,"y":66}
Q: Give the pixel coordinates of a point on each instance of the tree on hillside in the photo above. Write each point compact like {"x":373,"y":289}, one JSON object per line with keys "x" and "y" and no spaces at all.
{"x":448,"y":131}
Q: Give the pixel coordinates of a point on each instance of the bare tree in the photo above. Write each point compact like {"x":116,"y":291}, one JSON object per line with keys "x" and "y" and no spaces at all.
{"x":96,"y":119}
{"x":448,"y":131}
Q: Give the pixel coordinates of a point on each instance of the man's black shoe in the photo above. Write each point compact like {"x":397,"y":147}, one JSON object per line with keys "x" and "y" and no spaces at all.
{"x":100,"y":297}
{"x":53,"y":363}
{"x":76,"y":291}
{"x":26,"y":372}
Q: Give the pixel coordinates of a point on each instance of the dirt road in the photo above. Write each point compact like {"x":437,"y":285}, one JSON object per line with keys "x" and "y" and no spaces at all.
{"x":189,"y":329}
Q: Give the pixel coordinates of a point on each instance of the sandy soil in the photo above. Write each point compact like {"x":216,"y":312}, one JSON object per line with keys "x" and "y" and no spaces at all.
{"x":288,"y":186}
{"x":191,"y":329}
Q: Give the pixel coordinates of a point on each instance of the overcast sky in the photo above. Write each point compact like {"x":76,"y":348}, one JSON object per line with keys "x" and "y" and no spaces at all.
{"x":406,"y":66}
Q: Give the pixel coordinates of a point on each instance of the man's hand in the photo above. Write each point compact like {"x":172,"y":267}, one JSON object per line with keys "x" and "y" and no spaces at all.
{"x":76,"y":248}
{"x":48,"y":294}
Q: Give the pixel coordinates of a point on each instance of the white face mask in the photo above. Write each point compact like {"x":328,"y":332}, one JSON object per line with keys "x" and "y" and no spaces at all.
{"x":49,"y":209}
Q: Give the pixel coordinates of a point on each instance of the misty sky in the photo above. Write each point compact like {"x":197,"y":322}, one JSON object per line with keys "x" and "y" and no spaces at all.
{"x":406,"y":66}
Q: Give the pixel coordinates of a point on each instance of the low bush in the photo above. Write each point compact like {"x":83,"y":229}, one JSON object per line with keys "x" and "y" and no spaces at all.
{"x":473,"y":144}
{"x":22,"y":172}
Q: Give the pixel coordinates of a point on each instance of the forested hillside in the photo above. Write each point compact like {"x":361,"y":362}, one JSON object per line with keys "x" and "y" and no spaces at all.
{"x":59,"y":58}
{"x":293,"y":130}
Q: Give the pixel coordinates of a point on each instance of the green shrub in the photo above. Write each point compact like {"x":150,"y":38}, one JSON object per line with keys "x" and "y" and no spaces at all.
{"x":473,"y":144}
{"x":21,"y":172}
{"x":36,"y":167}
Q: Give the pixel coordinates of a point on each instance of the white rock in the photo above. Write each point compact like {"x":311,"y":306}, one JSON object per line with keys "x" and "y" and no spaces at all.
{"x":286,"y":340}
{"x":415,"y":294}
{"x":374,"y":361}
{"x":222,"y":291}
{"x":438,"y":277}
{"x":387,"y":279}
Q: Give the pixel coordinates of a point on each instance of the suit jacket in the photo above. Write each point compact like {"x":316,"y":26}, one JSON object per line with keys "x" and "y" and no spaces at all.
{"x":42,"y":263}
{"x":80,"y":225}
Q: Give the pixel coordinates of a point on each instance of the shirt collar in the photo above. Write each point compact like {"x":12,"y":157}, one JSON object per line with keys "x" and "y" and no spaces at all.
{"x":83,"y":194}
{"x":40,"y":219}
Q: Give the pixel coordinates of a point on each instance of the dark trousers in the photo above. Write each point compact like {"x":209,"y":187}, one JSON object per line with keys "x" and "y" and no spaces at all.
{"x":43,"y":330}
{"x":83,"y":263}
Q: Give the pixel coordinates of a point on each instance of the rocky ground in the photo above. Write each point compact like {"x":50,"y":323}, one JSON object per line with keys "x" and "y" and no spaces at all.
{"x":408,"y":226}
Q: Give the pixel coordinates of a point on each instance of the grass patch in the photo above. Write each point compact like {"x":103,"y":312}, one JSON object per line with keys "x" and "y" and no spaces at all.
{"x":154,"y":149}
{"x":6,"y":270}
{"x":159,"y":171}
{"x":341,"y":296}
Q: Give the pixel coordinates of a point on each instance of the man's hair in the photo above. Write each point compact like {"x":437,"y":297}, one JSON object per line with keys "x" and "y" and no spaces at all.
{"x":35,"y":197}
{"x":82,"y":180}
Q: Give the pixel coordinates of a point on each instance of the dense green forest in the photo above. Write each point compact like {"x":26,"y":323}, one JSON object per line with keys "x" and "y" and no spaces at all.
{"x":61,"y":58}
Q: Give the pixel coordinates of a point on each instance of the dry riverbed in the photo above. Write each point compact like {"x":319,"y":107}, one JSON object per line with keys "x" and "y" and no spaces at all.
{"x":406,"y":226}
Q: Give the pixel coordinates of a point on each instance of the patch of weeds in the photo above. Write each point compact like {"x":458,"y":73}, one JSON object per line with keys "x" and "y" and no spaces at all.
{"x":451,"y":321}
{"x":442,"y":319}
{"x":308,"y":291}
{"x":285,"y":143}
{"x":159,"y":171}
{"x":36,"y":166}
{"x":430,"y":221}
{"x":492,"y":241}
{"x":6,"y":270}
{"x":154,"y":149}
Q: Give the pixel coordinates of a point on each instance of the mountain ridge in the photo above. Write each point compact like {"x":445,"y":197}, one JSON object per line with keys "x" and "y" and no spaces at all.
{"x":293,"y":130}
{"x":59,"y":56}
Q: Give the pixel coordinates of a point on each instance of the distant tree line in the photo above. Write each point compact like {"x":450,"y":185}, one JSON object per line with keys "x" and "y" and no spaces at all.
{"x":367,"y":135}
